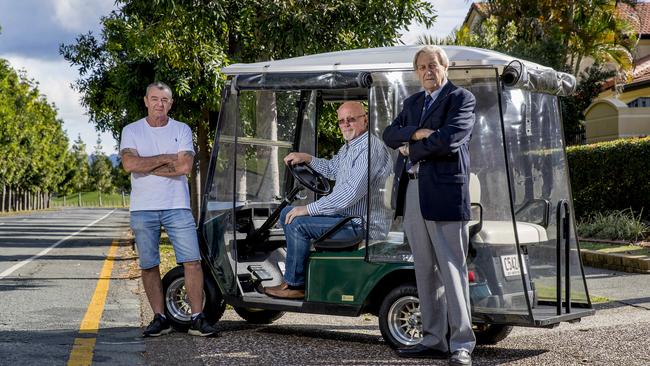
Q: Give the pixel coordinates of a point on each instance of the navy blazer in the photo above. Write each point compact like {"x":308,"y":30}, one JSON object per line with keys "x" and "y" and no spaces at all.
{"x":443,"y":176}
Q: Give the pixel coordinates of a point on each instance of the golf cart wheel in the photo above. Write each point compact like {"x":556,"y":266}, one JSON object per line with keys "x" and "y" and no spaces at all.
{"x":491,"y":333}
{"x":258,"y":316}
{"x":177,"y":305}
{"x":399,"y":317}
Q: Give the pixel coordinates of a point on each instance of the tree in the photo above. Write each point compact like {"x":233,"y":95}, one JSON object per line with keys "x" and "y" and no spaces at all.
{"x":81,"y":178}
{"x":101,"y":171}
{"x":76,"y":170}
{"x":577,"y":28}
{"x":187,"y":45}
{"x":32,"y":142}
{"x":121,"y":179}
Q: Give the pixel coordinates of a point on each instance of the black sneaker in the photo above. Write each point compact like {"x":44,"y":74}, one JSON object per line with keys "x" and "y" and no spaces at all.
{"x":157,"y":327}
{"x":201,"y":327}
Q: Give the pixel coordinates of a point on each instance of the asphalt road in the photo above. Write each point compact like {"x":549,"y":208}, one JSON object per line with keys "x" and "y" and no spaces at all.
{"x":50,"y":263}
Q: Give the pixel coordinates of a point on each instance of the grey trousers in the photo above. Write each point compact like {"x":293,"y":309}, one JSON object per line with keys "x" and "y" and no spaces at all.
{"x":440,"y":254}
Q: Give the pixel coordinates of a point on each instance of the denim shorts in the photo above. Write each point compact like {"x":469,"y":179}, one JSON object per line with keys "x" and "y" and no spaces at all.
{"x":180,"y":227}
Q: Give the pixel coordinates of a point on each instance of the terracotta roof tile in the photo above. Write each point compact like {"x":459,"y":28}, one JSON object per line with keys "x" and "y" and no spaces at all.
{"x":642,"y":11}
{"x":640,"y":73}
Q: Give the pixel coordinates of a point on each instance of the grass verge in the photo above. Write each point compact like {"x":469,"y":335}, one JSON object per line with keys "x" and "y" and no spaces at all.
{"x":630,"y":249}
{"x":549,"y":294}
{"x":167,"y":256}
{"x":91,"y":199}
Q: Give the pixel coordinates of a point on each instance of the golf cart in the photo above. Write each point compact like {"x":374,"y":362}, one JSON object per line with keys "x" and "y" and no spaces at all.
{"x":524,"y":262}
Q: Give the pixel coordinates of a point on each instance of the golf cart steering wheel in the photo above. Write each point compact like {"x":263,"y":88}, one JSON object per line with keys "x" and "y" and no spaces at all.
{"x":310,"y":179}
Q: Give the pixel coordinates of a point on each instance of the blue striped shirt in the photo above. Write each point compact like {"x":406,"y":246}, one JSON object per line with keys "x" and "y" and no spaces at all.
{"x":349,"y":197}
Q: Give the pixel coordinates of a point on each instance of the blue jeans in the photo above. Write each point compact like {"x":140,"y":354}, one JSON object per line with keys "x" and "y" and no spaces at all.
{"x":300,"y":233}
{"x":180,"y":227}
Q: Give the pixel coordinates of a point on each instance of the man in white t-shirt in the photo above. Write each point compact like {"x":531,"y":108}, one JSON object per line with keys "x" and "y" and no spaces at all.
{"x":158,"y":152}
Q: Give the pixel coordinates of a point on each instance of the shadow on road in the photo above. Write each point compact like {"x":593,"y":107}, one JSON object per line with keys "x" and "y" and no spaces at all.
{"x":114,"y":346}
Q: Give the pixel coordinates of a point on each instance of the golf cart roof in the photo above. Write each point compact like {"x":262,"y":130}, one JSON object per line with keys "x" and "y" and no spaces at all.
{"x":351,"y":69}
{"x":373,"y":59}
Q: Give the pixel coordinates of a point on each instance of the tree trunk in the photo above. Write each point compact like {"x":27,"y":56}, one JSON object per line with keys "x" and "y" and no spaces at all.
{"x":195,"y":183}
{"x":9,"y":205}
{"x":4,"y":194}
{"x":199,"y":174}
{"x":570,"y":30}
{"x":577,"y":67}
{"x":267,"y":128}
{"x":100,"y":198}
{"x":78,"y":199}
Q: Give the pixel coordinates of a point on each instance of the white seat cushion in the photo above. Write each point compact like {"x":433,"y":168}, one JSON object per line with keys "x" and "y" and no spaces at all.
{"x":502,"y":233}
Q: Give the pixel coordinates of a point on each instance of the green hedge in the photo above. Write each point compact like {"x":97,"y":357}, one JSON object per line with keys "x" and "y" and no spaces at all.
{"x":613,"y":175}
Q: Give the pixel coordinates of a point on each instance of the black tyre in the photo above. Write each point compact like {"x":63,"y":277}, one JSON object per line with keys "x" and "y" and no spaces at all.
{"x":177,"y":306}
{"x":491,"y":333}
{"x":399,"y":317}
{"x":258,"y":316}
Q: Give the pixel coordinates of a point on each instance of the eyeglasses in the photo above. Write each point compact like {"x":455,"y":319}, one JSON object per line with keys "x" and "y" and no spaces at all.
{"x":351,"y":120}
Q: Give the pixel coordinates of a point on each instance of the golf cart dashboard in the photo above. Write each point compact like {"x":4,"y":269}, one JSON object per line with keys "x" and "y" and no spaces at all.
{"x":252,"y":217}
{"x":259,"y":224}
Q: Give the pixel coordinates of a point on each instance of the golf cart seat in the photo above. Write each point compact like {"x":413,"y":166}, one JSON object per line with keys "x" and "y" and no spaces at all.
{"x":499,"y":232}
{"x":325,"y":243}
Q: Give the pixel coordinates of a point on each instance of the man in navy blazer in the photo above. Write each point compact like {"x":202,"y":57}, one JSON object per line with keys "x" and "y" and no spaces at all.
{"x":431,"y":191}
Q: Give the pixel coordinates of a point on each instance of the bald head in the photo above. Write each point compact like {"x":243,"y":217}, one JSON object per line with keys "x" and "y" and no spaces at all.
{"x":352,"y":119}
{"x":356,"y":107}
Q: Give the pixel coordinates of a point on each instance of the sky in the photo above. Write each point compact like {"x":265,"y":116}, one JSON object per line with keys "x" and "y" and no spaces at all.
{"x":32,"y":30}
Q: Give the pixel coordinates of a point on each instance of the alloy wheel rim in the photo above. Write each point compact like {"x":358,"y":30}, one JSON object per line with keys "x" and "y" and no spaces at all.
{"x":404,"y":320}
{"x":177,"y":302}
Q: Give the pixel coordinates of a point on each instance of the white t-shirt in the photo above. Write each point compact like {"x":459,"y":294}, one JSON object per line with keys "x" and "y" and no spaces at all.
{"x":148,"y":191}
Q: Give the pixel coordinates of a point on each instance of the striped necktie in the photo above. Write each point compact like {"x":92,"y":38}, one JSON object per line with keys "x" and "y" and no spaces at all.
{"x":427,"y":104}
{"x":428,"y":101}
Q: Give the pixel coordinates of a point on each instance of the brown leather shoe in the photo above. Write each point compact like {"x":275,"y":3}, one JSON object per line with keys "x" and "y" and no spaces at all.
{"x":281,"y":286}
{"x":285,"y":292}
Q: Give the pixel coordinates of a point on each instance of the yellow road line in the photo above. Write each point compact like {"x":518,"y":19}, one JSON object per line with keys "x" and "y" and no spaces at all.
{"x":83,"y":348}
{"x":82,"y":352}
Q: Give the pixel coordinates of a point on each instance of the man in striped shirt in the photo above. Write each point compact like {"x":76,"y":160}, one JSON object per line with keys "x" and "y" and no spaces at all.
{"x":349,"y":168}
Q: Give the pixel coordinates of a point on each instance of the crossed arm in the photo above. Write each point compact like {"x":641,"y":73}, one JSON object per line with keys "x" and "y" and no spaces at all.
{"x":165,"y":165}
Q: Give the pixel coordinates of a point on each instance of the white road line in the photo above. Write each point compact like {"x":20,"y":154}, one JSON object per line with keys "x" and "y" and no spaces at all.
{"x":11,"y":269}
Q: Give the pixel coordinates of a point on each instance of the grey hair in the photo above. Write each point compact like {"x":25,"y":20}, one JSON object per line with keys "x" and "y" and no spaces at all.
{"x":160,"y":86}
{"x":437,"y":51}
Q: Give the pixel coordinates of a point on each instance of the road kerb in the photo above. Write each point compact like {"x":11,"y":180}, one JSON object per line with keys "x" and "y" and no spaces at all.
{"x":614,"y":261}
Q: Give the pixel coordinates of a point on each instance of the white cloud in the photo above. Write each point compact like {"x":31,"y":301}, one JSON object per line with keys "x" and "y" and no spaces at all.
{"x":54,"y":79}
{"x":81,"y":15}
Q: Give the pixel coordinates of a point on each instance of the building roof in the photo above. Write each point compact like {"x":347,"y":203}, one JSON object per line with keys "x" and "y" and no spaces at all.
{"x":374,"y":59}
{"x":640,"y":17}
{"x":481,"y":9}
{"x":640,"y":74}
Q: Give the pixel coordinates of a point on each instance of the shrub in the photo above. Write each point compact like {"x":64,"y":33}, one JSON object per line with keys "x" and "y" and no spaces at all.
{"x":613,"y":225}
{"x":612,"y":175}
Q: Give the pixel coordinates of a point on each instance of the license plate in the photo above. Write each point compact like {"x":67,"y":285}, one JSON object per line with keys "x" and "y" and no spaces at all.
{"x":510,"y":265}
